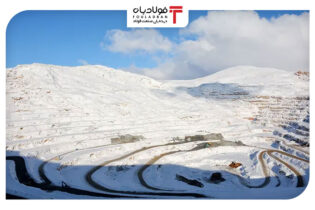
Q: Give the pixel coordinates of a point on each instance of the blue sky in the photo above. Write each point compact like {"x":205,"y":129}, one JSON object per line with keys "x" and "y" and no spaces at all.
{"x":66,"y":37}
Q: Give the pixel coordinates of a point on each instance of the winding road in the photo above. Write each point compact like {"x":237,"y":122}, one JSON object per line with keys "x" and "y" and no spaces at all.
{"x":266,"y":170}
{"x":98,"y":186}
{"x":152,"y":161}
{"x":24,"y":177}
{"x":300,"y":182}
{"x":42,"y":166}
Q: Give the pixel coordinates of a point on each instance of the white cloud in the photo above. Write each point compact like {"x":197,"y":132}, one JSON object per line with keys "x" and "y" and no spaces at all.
{"x":147,"y":40}
{"x":230,"y":38}
{"x":224,"y":39}
{"x":83,"y":62}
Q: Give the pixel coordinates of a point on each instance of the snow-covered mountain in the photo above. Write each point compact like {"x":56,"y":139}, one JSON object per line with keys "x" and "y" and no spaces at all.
{"x":258,"y":81}
{"x":129,"y":135}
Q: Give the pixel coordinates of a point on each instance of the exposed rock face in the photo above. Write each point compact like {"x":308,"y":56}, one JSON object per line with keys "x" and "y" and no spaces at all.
{"x":189,"y":181}
{"x":303,"y":75}
{"x":216,"y":178}
{"x":235,"y":165}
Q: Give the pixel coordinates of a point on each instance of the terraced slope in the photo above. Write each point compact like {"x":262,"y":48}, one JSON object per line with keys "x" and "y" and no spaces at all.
{"x":96,"y":132}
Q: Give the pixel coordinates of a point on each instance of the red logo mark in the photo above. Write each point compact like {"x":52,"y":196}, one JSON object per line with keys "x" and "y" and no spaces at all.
{"x":174,"y":10}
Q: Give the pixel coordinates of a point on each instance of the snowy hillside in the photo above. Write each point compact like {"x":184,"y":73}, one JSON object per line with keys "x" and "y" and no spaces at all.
{"x":257,"y":81}
{"x":95,"y":132}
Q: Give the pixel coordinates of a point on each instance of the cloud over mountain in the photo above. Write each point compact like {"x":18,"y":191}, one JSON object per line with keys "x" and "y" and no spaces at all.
{"x":219,"y":40}
{"x":147,"y":40}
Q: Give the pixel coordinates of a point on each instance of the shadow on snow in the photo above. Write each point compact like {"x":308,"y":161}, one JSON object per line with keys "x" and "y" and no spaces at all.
{"x":132,"y":181}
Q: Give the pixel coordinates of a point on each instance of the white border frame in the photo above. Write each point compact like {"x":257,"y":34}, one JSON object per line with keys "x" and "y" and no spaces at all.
{"x":11,"y":7}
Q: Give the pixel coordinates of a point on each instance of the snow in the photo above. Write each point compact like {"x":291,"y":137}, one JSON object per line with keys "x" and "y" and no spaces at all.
{"x":73,"y":112}
{"x":255,"y":80}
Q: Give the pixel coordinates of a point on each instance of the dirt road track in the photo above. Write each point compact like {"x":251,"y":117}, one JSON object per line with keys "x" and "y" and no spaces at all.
{"x":300,"y":182}
{"x":26,"y":179}
{"x":148,"y":164}
{"x":153,"y":160}
{"x":265,"y":169}
{"x":42,"y":166}
{"x":89,"y":179}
